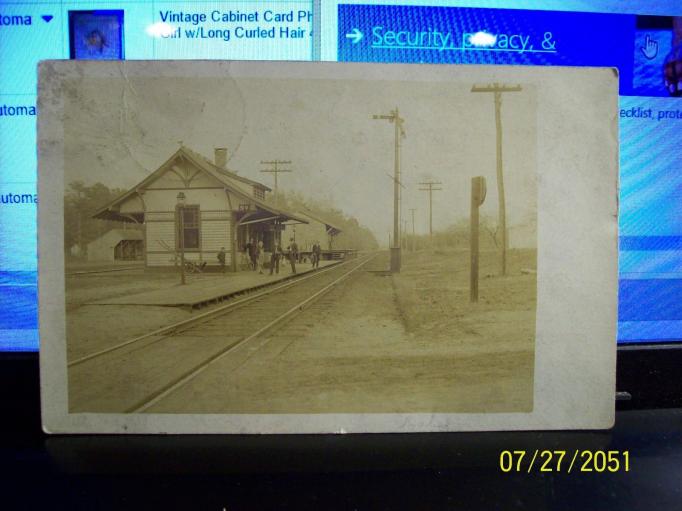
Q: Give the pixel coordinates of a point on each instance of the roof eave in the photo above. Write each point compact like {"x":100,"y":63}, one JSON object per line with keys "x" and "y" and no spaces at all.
{"x":115,"y":216}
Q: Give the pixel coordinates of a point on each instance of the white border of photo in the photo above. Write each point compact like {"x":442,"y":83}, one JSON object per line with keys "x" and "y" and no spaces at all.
{"x":577,"y":273}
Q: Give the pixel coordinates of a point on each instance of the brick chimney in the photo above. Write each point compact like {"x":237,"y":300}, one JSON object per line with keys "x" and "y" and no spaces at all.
{"x":220,"y":157}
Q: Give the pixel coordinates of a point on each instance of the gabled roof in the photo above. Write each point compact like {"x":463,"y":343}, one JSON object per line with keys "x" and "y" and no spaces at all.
{"x":226,"y":172}
{"x":225,"y":177}
{"x":331,"y":229}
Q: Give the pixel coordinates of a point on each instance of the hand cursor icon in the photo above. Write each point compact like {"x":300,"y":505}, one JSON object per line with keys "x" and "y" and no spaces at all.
{"x":650,"y":48}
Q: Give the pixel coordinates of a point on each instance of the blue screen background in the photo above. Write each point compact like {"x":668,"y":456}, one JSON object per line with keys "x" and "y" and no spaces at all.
{"x":650,"y":222}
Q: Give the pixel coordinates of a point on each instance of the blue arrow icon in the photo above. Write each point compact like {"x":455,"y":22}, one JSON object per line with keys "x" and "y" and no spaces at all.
{"x":47,"y":17}
{"x":355,"y":35}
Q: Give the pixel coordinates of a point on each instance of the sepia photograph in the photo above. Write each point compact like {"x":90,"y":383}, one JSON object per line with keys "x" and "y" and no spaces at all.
{"x":276,"y":243}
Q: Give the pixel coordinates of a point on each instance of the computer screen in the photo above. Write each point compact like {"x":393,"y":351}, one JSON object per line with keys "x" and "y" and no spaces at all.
{"x":642,"y":39}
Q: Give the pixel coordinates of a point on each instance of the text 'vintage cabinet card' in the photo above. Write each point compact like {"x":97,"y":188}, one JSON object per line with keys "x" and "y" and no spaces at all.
{"x":267,"y":247}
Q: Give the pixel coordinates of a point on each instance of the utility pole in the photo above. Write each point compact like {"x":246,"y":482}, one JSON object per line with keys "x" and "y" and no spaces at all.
{"x":414,"y":240}
{"x":275,"y":170}
{"x":478,"y":192}
{"x":394,"y":118}
{"x":81,"y":252}
{"x":497,"y":91}
{"x":180,"y":212}
{"x":431,"y":189}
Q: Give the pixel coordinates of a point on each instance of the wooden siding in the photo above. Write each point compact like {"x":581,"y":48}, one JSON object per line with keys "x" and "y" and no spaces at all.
{"x":166,"y":200}
{"x":160,"y":216}
{"x":215,"y":215}
{"x":159,"y":235}
{"x":215,"y":234}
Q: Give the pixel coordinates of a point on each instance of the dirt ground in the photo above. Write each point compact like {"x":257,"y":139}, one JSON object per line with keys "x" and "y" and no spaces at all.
{"x":433,"y":297}
{"x":405,"y":343}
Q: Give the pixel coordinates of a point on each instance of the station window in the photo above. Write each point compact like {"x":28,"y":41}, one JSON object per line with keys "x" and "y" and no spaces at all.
{"x":190,"y":224}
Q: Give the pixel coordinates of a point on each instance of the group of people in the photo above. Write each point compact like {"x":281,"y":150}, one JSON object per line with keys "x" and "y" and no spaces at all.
{"x":256,"y":255}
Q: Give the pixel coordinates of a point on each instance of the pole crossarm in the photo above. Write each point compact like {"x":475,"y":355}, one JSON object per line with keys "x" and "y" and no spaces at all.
{"x":431,"y":185}
{"x":275,"y":163}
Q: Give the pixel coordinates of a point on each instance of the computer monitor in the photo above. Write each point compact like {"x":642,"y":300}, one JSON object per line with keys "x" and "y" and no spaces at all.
{"x":642,"y":39}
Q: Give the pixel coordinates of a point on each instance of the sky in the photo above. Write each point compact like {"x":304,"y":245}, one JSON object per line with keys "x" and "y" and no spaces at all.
{"x":117,"y":131}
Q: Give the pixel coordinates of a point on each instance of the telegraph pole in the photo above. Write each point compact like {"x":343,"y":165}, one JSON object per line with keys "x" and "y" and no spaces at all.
{"x":414,"y":240}
{"x":394,"y":118}
{"x":497,"y":91}
{"x":80,"y":226}
{"x":275,"y":170}
{"x":431,"y":189}
{"x":478,"y":193}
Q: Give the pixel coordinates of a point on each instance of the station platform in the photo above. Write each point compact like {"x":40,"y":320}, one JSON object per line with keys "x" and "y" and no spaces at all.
{"x":210,"y":288}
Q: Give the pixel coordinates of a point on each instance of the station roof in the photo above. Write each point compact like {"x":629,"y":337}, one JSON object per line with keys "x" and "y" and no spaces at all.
{"x":116,"y":235}
{"x":331,"y":229}
{"x":226,"y":177}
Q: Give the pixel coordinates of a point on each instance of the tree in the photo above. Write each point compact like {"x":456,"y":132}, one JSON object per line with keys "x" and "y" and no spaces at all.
{"x":457,"y":234}
{"x":353,"y":234}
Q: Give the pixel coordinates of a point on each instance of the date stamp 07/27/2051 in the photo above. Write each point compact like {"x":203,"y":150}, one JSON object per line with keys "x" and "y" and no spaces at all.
{"x":564,"y":461}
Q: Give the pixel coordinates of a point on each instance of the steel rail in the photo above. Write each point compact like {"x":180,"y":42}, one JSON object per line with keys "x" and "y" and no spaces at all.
{"x":110,"y":270}
{"x":193,"y":373}
{"x":187,"y":323}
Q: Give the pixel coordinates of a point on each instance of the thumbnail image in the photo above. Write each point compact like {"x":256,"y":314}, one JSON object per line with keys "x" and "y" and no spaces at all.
{"x":96,"y":35}
{"x":658,"y":56}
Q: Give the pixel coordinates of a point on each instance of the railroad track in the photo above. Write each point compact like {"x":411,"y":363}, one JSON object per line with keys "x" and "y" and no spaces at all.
{"x":104,"y":270}
{"x":134,"y":375}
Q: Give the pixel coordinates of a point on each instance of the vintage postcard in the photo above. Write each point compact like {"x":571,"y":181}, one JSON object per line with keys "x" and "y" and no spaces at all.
{"x":268,"y":247}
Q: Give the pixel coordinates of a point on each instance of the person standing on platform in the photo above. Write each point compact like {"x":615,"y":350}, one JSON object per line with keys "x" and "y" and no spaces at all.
{"x":261,"y":256}
{"x":247,"y":251}
{"x":312,"y":254}
{"x":275,"y":257}
{"x":221,"y":259}
{"x":293,"y":254}
{"x":317,"y":254}
{"x":251,"y":250}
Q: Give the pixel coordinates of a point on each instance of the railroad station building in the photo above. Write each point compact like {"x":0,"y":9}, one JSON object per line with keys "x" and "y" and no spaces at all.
{"x":215,"y":206}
